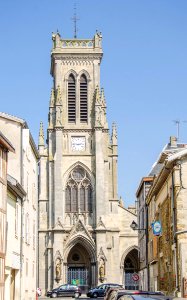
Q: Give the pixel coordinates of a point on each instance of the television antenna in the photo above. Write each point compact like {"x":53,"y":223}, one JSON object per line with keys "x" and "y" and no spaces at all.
{"x":177,"y":123}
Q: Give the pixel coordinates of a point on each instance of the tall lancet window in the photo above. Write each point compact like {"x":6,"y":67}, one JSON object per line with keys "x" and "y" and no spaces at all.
{"x":71,"y":99}
{"x":78,"y":191}
{"x":83,"y":99}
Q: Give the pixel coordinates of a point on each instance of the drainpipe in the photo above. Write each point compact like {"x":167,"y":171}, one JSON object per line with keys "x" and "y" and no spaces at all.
{"x":147,"y":240}
{"x":21,"y":245}
{"x":22,"y":211}
{"x":174,"y":230}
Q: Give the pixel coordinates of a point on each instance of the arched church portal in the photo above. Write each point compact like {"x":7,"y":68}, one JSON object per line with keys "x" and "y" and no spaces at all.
{"x":131,"y":267}
{"x":79,"y":267}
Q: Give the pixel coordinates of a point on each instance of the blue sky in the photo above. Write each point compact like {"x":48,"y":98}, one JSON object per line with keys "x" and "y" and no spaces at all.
{"x":143,"y":72}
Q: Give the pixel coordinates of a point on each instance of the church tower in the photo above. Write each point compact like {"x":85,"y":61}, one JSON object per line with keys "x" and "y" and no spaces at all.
{"x":79,"y":219}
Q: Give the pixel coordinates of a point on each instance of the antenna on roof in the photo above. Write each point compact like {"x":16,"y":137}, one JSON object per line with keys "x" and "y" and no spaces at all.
{"x":177,"y":123}
{"x":75,"y":19}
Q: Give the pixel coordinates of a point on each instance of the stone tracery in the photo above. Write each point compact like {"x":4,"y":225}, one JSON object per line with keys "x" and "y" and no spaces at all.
{"x":78,"y":191}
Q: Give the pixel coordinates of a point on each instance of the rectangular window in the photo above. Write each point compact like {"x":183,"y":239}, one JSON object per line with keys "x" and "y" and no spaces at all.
{"x":27,"y":186}
{"x":1,"y":162}
{"x":34,"y":234}
{"x":27,"y":234}
{"x":33,"y":269}
{"x":2,"y":232}
{"x":27,"y":267}
{"x":34,"y":195}
{"x":16,"y":219}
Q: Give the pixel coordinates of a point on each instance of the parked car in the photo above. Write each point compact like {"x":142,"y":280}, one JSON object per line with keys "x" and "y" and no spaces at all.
{"x":99,"y":291}
{"x":65,"y":290}
{"x":143,"y":297}
{"x":110,"y":292}
{"x":115,"y":293}
{"x":140,"y":295}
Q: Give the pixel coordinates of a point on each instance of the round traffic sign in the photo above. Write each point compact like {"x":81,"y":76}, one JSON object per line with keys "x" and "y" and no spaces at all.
{"x":135,"y":277}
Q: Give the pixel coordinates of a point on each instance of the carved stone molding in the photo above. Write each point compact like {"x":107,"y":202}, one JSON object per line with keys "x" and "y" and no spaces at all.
{"x":100,"y":223}
{"x":58,"y":224}
{"x":78,"y":130}
{"x":77,"y":58}
{"x":101,"y":255}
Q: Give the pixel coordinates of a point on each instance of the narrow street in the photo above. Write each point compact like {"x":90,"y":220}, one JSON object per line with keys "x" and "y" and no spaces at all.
{"x":83,"y":297}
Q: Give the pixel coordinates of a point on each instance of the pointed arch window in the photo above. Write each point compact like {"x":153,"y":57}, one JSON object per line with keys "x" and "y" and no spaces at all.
{"x":71,"y":99}
{"x":83,"y":99}
{"x":78,"y":191}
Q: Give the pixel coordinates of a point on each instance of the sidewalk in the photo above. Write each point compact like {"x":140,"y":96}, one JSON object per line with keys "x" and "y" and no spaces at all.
{"x":83,"y":296}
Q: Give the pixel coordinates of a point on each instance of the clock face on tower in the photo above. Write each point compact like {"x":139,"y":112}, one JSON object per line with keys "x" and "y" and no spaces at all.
{"x":78,"y":143}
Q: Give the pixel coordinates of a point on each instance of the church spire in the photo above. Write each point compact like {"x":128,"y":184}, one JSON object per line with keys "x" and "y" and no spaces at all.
{"x":114,"y":138}
{"x":41,"y":136}
{"x":97,"y":96}
{"x":103,"y":101}
{"x":98,"y":108}
{"x":58,"y":96}
{"x":52,"y":98}
{"x":58,"y":107}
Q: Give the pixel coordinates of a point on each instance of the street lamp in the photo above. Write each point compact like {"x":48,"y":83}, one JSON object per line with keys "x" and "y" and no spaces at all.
{"x":134,"y":226}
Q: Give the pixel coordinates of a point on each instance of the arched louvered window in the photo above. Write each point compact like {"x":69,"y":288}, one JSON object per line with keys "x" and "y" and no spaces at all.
{"x":71,"y":99}
{"x":83,"y":99}
{"x":78,"y":191}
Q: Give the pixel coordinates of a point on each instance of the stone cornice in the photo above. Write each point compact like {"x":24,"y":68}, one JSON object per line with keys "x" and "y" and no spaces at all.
{"x":74,"y":57}
{"x":77,"y":130}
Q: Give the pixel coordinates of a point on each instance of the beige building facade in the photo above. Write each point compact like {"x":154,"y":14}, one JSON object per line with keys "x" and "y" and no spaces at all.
{"x":15,"y":197}
{"x":142,"y":213}
{"x":84,"y":232}
{"x":23,"y":167}
{"x":5,"y":146}
{"x":166,"y":201}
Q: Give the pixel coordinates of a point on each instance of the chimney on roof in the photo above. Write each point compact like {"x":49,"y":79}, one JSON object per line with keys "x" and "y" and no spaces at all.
{"x":173,"y":141}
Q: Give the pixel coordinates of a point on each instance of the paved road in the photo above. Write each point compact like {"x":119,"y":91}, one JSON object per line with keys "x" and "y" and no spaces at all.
{"x":83,"y":297}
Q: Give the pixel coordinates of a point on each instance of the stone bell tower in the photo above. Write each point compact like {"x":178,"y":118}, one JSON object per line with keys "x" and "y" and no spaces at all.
{"x":78,"y":202}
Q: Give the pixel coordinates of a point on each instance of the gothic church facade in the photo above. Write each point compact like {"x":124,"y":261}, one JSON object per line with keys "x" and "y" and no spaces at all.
{"x":84,"y":231}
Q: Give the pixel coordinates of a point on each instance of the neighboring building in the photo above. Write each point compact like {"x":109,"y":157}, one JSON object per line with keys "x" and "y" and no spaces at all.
{"x":141,"y":194}
{"x":15,"y":196}
{"x":5,"y":147}
{"x":166,"y":201}
{"x":23,"y":167}
{"x":84,"y":232}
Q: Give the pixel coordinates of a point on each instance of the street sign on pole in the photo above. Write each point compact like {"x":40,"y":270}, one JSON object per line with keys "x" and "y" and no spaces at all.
{"x":135,"y":277}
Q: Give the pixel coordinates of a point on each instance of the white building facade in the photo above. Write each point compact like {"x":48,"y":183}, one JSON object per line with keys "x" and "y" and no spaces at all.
{"x":5,"y":146}
{"x":84,"y":232}
{"x":23,"y":167}
{"x":15,"y":196}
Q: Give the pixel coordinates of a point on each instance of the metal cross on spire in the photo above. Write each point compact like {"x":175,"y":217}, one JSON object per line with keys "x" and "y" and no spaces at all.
{"x":75,"y":19}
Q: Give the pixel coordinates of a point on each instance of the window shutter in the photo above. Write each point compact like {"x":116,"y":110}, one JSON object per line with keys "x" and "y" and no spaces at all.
{"x":83,"y":99}
{"x":71,"y":99}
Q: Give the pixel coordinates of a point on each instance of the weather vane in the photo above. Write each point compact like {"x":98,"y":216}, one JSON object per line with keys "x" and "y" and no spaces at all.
{"x":75,"y":19}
